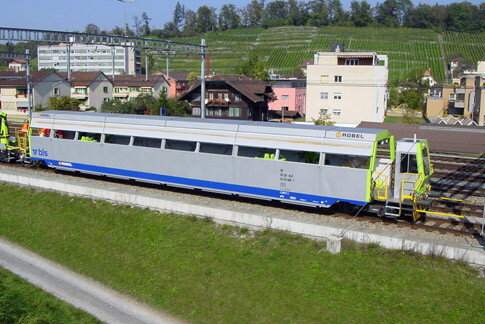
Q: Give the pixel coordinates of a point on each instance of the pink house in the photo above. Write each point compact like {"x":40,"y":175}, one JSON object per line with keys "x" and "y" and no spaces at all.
{"x":290,"y":95}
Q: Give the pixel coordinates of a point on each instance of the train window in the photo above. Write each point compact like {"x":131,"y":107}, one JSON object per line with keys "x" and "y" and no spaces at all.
{"x":89,"y":137}
{"x":257,"y":152}
{"x":409,"y":163}
{"x":117,"y":139}
{"x":64,"y":134}
{"x":425,"y":160}
{"x":215,"y":148}
{"x":180,"y":145}
{"x":147,"y":142}
{"x":299,"y":156}
{"x":349,"y":161}
{"x":42,"y":132}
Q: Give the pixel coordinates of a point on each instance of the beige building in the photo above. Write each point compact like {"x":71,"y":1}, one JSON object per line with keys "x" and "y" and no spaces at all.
{"x":466,"y":99}
{"x":127,"y":87}
{"x":347,"y":87}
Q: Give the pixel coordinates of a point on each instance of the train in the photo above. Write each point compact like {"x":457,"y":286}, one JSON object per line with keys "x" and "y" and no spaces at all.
{"x":311,"y":165}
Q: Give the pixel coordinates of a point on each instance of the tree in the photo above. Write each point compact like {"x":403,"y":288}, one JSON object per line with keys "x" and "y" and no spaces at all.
{"x":228,"y":17}
{"x":179,"y":16}
{"x":206,"y":19}
{"x":275,"y":14}
{"x":190,"y":26}
{"x":63,"y":103}
{"x":392,"y":13}
{"x":137,"y":25}
{"x":360,"y":13}
{"x":319,"y":12}
{"x":253,"y":13}
{"x":253,"y":68}
{"x":297,"y":15}
{"x":118,"y":31}
{"x":92,"y":29}
{"x":146,"y":23}
{"x":459,"y":16}
{"x":337,"y":14}
{"x":420,"y":17}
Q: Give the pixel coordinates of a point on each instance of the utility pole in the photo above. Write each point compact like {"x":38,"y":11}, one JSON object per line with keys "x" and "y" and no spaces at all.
{"x":146,"y":65}
{"x":202,"y":80}
{"x":27,"y":79}
{"x":113,"y":50}
{"x":168,"y":64}
{"x":68,"y":47}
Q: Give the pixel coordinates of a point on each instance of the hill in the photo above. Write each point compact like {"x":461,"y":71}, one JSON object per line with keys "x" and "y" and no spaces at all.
{"x":284,"y":48}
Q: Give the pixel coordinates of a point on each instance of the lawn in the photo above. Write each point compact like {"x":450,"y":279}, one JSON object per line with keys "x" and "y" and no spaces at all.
{"x":20,"y":302}
{"x":207,"y":273}
{"x":404,"y":120}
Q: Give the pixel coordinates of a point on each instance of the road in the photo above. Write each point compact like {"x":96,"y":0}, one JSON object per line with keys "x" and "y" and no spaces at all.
{"x":79,"y":291}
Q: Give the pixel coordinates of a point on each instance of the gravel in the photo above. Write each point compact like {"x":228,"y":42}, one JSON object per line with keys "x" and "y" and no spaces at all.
{"x":261,"y":206}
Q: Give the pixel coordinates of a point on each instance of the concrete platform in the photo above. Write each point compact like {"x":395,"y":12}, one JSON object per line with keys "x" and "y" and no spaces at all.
{"x":318,"y":229}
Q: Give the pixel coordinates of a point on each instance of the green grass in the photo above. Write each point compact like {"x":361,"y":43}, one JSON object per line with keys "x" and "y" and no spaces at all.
{"x":403,"y":120}
{"x":284,"y":48}
{"x":206,"y":273}
{"x":21,"y":302}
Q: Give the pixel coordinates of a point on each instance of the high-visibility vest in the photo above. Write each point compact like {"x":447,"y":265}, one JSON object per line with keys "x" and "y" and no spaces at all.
{"x":25,"y":128}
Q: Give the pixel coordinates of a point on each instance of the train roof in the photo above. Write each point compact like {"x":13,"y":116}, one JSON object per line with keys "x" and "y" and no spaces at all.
{"x":369,"y":134}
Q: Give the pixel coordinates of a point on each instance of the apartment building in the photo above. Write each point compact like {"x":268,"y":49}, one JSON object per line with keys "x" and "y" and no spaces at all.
{"x":92,"y":88}
{"x":45,"y":84}
{"x":17,"y":65}
{"x":347,"y":87}
{"x":465,"y":99}
{"x":127,"y":87}
{"x":290,"y":95}
{"x":90,"y":58}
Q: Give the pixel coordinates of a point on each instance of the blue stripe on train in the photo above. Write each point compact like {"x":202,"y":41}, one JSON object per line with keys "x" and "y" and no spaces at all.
{"x":267,"y":193}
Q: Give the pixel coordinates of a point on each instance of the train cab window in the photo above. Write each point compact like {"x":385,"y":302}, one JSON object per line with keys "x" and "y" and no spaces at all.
{"x":187,"y":146}
{"x":257,"y":152}
{"x":147,"y":142}
{"x":117,"y":139}
{"x":89,"y":137}
{"x":41,"y":132}
{"x":426,"y":160}
{"x":64,"y":134}
{"x":299,"y":156}
{"x":348,"y":161}
{"x":211,"y":148}
{"x":409,"y":163}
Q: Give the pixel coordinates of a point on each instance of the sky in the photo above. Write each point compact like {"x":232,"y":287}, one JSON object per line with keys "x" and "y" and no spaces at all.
{"x":70,"y":15}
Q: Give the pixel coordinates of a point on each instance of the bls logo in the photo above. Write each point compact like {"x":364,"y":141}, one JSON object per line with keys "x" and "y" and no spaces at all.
{"x":40,"y":152}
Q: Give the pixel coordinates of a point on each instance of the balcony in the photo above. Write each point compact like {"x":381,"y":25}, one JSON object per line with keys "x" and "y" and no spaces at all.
{"x":459,"y":104}
{"x":218,"y":103}
{"x":21,"y":95}
{"x":79,"y":95}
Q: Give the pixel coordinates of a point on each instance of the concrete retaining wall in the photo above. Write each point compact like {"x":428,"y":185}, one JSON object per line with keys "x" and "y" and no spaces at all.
{"x":315,"y":229}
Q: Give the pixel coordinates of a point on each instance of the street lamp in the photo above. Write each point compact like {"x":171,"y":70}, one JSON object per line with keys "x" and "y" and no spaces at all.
{"x":126,"y":24}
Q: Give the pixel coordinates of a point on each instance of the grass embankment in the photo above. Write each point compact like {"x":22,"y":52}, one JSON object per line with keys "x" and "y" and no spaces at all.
{"x":21,"y":302}
{"x":404,"y":120}
{"x":207,"y":273}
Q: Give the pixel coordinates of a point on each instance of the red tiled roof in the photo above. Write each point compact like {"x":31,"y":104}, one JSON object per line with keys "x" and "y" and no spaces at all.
{"x":18,"y":60}
{"x":137,"y":80}
{"x":81,"y":78}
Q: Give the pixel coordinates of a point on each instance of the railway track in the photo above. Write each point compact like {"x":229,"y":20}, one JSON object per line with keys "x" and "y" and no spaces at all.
{"x":437,"y":225}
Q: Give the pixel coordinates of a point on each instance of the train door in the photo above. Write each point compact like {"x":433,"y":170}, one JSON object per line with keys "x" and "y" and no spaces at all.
{"x":411,"y":169}
{"x":383,"y":173}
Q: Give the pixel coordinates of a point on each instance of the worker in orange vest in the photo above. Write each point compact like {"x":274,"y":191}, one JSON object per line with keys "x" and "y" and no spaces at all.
{"x":25,"y":128}
{"x":44,"y":132}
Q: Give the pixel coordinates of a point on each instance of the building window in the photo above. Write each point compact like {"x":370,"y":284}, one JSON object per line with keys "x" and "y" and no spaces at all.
{"x":226,"y":96}
{"x":57,"y":91}
{"x":285,"y":97}
{"x":211,"y":95}
{"x":237,"y":98}
{"x":106,"y":99}
{"x":337,"y":112}
{"x":105,"y":89}
{"x":195,"y":111}
{"x":338,"y":78}
{"x":324,"y":112}
{"x":234,"y":112}
{"x":324,"y":78}
{"x":351,"y":62}
{"x":337,"y":96}
{"x":323,"y":95}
